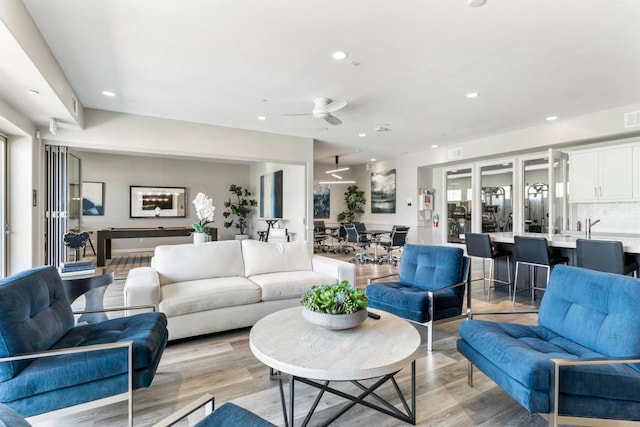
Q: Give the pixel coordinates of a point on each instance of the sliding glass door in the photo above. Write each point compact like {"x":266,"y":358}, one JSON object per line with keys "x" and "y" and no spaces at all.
{"x":4,"y":227}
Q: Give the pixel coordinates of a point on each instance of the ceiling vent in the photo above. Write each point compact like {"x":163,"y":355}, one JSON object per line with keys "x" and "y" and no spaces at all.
{"x":632,"y":119}
{"x":370,"y":166}
{"x":454,"y":153}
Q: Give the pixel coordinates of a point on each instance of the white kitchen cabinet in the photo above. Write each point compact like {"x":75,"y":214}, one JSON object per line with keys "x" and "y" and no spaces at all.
{"x":636,"y":172}
{"x":601,"y":175}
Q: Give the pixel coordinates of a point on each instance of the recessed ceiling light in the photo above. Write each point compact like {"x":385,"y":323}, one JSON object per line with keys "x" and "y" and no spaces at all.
{"x":473,"y":95}
{"x":373,"y":160}
{"x":362,"y":135}
{"x":552,"y":118}
{"x":434,"y":146}
{"x":108,"y":93}
{"x":261,"y":118}
{"x":34,"y":92}
{"x":339,"y":55}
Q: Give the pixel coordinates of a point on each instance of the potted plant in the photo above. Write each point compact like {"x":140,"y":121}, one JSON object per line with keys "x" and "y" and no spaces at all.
{"x":237,"y":212}
{"x":354,"y":200}
{"x":337,"y":306}
{"x":204,"y":211}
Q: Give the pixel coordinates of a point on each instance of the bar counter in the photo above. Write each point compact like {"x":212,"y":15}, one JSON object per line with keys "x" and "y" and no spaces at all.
{"x":631,"y":244}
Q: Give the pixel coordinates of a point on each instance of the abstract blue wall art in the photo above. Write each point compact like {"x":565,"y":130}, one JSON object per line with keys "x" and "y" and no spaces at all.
{"x":271,"y":195}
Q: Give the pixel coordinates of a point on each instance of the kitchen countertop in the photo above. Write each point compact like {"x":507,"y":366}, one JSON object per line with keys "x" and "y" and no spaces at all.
{"x":568,"y":240}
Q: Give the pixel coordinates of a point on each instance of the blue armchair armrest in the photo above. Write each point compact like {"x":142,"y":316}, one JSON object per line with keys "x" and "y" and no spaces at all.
{"x":555,"y":418}
{"x":127,"y":395}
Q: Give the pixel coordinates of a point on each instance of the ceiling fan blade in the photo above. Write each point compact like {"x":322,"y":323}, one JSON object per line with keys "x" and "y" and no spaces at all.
{"x":335,"y":105}
{"x":333,"y":120}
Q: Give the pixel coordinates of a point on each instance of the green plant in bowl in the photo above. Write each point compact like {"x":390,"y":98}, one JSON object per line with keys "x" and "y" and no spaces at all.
{"x":340,"y":298}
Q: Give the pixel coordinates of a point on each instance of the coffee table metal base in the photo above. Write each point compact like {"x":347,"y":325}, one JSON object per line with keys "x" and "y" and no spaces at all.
{"x":384,"y":406}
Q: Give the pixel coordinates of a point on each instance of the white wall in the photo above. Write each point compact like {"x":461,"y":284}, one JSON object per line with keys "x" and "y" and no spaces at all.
{"x":118,"y":172}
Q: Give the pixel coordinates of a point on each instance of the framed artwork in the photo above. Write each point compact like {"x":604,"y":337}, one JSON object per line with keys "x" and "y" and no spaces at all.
{"x":383,"y":192}
{"x":150,"y":202}
{"x":92,"y":198}
{"x":271,"y":195}
{"x":321,"y":200}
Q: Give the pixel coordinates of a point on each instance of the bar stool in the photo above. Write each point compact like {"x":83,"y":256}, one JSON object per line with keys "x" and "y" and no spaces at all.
{"x":534,"y":252}
{"x":603,"y":255}
{"x":479,"y":246}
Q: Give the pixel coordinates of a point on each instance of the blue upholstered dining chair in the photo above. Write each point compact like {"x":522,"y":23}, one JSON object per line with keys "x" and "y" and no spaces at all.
{"x":50,"y":366}
{"x":430,"y":286}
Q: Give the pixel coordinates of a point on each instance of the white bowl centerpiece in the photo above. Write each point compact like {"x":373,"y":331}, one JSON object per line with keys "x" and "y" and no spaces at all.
{"x":337,"y":306}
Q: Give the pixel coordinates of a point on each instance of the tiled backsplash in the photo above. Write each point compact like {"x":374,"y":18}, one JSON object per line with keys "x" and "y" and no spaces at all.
{"x":614,"y":217}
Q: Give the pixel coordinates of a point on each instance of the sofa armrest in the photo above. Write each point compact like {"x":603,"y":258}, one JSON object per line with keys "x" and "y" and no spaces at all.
{"x":142,"y":287}
{"x":341,"y":270}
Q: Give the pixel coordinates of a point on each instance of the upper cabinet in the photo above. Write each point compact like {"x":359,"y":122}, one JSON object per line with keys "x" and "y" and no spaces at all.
{"x":602,"y":175}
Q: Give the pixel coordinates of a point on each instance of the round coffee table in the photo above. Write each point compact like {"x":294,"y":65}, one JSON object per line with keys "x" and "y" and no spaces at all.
{"x":307,"y":353}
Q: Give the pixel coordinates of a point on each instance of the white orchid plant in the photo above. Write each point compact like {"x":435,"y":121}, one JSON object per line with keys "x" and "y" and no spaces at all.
{"x":204,"y":211}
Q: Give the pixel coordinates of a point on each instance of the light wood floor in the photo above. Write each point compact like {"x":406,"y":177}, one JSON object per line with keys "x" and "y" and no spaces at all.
{"x":222,"y":364}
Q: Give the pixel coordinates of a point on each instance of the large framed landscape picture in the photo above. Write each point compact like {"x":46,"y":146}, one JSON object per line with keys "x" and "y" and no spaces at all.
{"x":149,"y":202}
{"x":383,"y":191}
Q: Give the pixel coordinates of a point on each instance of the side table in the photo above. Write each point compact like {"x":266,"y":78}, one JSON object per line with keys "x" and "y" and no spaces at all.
{"x":93,"y":287}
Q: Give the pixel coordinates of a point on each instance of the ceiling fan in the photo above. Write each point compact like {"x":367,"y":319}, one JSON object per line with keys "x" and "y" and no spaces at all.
{"x":322,"y":109}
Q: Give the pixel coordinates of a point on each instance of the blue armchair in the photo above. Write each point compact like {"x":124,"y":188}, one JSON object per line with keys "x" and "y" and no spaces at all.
{"x":582,"y":360}
{"x":430,"y":286}
{"x":50,"y":366}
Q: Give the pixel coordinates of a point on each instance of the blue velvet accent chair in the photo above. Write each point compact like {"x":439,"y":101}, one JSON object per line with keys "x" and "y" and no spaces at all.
{"x":430,"y":286}
{"x":581,"y":361}
{"x":50,"y":367}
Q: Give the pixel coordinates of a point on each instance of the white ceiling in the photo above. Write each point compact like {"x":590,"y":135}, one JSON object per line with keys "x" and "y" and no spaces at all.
{"x":224,"y":62}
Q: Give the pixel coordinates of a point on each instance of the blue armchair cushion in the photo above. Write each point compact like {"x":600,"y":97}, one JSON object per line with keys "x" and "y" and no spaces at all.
{"x":232,"y":415}
{"x":34,"y":317}
{"x":422,"y":269}
{"x":430,"y":267}
{"x":411,"y":302}
{"x":601,"y":313}
{"x":518,"y":357}
{"x":35,"y":314}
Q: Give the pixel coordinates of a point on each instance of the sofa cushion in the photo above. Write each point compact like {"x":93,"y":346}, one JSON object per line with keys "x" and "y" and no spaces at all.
{"x":596,"y":310}
{"x":289,"y":284}
{"x":411,"y":302}
{"x":430,"y":267}
{"x":264,"y":257}
{"x":37,"y":314}
{"x":207,"y":294}
{"x":180,"y":263}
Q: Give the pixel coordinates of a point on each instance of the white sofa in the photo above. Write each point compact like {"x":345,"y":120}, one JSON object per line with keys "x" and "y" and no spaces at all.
{"x":217,"y":286}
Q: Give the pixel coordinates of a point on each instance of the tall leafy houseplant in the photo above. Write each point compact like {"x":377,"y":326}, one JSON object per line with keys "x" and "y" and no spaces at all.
{"x":237,"y":211}
{"x":355,"y":201}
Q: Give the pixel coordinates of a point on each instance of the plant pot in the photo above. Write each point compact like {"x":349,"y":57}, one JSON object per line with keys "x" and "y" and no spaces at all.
{"x":242,"y":236}
{"x":335,"y":321}
{"x":200,"y":237}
